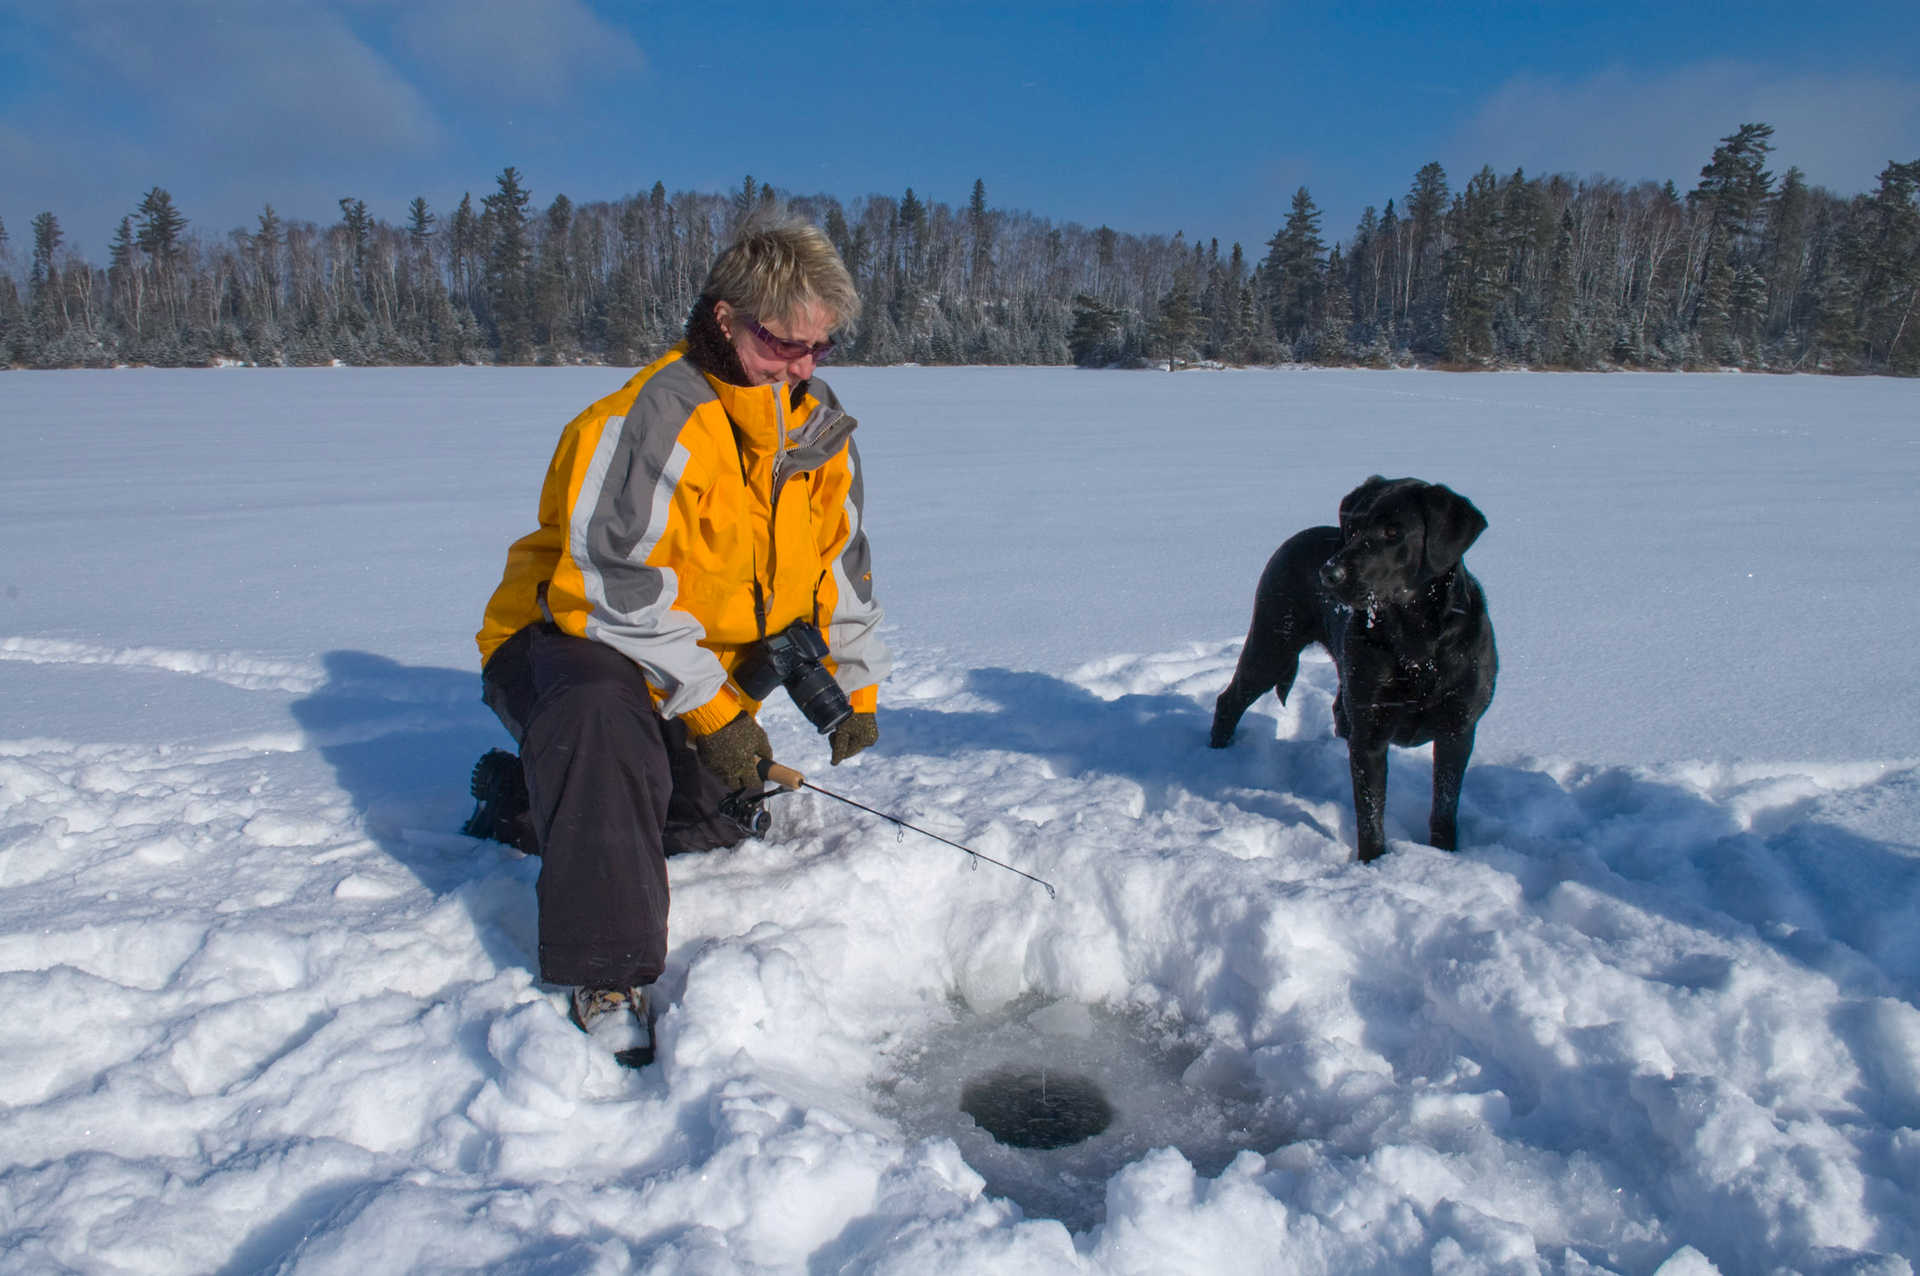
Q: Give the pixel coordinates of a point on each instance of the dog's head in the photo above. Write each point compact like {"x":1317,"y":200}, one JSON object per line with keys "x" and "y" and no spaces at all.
{"x":1396,"y":535}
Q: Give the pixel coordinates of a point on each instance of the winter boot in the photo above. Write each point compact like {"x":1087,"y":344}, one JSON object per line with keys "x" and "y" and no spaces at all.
{"x":503,"y":810}
{"x":616,"y":1018}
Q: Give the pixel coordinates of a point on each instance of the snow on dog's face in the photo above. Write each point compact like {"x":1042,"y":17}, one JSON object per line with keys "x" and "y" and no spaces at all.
{"x":1396,"y":536}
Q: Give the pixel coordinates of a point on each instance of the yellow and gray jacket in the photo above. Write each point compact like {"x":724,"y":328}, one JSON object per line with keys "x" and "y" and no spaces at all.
{"x":682,"y":519}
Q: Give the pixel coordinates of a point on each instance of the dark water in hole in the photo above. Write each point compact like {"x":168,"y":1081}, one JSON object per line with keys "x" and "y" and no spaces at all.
{"x":1136,"y":1067}
{"x":1033,"y":1110}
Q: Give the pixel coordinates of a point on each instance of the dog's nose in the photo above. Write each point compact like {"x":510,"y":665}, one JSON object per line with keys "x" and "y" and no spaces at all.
{"x":1333,"y":574}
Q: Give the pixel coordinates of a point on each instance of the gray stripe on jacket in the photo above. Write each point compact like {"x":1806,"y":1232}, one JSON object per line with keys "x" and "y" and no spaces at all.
{"x":621,"y":514}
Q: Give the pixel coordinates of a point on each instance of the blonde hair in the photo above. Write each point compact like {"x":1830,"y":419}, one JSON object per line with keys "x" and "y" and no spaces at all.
{"x":776,"y":266}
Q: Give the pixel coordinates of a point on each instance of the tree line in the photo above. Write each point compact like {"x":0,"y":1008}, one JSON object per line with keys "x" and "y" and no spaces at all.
{"x":1744,"y":269}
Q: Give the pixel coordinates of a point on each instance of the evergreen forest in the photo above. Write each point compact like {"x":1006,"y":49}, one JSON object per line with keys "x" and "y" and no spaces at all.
{"x":1745,"y":269}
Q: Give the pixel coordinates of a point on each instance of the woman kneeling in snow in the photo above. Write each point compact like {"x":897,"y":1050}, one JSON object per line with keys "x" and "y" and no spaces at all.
{"x":712,"y":503}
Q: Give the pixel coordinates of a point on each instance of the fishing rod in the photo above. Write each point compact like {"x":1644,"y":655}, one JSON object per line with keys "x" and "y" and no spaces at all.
{"x":746,"y":808}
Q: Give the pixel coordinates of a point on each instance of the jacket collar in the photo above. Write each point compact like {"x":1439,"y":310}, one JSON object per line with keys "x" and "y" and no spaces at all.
{"x":756,"y":412}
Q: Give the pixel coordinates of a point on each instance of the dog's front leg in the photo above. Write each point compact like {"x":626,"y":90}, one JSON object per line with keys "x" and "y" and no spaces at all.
{"x":1450,"y":754}
{"x":1367,"y":759}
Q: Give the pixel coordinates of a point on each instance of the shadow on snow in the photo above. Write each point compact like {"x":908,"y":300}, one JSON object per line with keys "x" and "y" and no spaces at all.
{"x":402,"y":741}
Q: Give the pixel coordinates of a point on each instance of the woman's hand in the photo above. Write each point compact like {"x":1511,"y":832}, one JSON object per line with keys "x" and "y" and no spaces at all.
{"x":856,"y":733}
{"x":734,"y":751}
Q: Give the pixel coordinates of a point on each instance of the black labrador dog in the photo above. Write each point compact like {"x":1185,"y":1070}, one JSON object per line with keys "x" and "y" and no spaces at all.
{"x":1407,"y":627}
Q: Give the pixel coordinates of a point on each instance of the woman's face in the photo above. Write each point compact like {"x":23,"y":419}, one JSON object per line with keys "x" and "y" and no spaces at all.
{"x":813,"y":326}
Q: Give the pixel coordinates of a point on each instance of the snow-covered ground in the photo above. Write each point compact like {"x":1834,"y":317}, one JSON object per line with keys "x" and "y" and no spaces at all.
{"x":266,"y":1012}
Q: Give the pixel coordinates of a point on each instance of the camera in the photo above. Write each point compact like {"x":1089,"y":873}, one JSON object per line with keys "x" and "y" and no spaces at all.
{"x":791,"y":659}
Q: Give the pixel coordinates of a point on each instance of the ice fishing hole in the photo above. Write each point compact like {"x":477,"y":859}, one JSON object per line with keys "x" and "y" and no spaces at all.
{"x":1047,"y":1100}
{"x":1022,"y":1109}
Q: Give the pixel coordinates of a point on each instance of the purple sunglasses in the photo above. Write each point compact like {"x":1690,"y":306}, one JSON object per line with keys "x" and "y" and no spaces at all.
{"x":782,"y":348}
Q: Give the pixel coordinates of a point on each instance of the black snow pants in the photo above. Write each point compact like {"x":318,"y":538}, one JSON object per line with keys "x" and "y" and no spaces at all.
{"x":615,"y":788}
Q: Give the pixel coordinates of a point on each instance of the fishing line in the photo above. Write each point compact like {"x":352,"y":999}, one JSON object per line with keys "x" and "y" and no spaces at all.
{"x":838,"y":797}
{"x":791,"y":780}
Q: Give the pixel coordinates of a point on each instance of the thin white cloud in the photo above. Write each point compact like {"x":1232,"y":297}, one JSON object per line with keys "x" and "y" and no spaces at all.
{"x":514,"y":52}
{"x":202,"y":97}
{"x":263,"y":81}
{"x":1840,"y":131}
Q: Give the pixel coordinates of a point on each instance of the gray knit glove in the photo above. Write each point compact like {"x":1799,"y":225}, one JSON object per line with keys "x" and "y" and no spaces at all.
{"x":853,"y":735}
{"x":734,"y":751}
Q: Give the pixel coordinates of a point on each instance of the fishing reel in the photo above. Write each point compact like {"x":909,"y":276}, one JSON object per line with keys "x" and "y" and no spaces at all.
{"x":749,"y":811}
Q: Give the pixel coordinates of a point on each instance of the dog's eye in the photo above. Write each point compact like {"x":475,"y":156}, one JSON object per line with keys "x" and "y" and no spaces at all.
{"x":1390,"y":533}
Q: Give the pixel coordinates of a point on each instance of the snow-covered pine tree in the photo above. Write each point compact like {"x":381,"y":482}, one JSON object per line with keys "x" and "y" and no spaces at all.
{"x":1293,"y":271}
{"x":509,"y":268}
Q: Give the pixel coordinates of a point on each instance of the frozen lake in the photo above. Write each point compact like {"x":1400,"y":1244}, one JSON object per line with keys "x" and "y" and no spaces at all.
{"x":1679,"y":567}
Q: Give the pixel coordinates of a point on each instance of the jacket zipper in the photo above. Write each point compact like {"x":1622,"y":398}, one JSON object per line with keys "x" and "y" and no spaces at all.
{"x":762,"y":603}
{"x":775,"y":482}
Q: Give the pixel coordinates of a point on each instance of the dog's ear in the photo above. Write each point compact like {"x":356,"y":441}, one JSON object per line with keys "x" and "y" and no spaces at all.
{"x":1356,"y":501}
{"x":1452,"y":525}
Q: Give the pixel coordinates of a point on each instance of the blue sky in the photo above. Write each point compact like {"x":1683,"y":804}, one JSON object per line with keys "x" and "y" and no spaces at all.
{"x":1202,"y":117}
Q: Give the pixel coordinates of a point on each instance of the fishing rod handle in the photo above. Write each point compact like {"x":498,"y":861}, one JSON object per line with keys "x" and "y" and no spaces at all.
{"x":784,"y":776}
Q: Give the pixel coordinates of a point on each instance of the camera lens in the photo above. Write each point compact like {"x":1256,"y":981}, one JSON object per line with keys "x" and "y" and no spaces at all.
{"x":819,"y":696}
